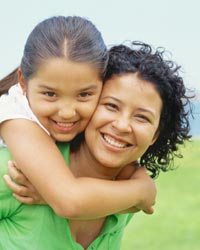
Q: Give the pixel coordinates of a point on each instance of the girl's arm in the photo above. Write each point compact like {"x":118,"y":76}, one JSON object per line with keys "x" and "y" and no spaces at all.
{"x":40,"y":160}
{"x":25,"y":192}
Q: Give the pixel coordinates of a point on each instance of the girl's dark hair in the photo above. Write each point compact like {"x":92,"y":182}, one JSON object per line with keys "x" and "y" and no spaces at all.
{"x":72,"y":37}
{"x":8,"y":81}
{"x":164,"y":75}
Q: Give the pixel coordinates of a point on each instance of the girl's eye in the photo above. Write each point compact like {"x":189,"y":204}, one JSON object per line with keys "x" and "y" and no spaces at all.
{"x":49,"y":94}
{"x":84,"y":94}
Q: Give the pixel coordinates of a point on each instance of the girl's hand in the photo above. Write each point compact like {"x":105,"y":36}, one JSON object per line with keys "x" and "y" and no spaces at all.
{"x":22,"y":189}
{"x":148,"y":190}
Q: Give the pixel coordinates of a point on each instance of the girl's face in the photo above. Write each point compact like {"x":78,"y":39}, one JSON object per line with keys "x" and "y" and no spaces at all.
{"x":63,"y":95}
{"x":125,"y":122}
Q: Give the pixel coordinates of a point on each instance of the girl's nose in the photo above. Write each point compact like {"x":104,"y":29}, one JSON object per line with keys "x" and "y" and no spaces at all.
{"x":67,"y":112}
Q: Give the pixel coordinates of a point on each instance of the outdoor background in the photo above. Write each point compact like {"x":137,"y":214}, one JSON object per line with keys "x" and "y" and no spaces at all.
{"x":173,"y":24}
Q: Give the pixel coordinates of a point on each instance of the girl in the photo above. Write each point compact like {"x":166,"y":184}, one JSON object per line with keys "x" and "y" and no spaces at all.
{"x":61,"y":74}
{"x":142,"y":95}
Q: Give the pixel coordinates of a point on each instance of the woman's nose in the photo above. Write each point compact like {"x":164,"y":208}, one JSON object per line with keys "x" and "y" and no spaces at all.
{"x":122,"y":125}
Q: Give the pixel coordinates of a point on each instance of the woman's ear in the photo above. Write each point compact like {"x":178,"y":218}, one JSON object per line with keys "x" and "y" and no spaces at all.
{"x":155,"y":137}
{"x":21,"y":80}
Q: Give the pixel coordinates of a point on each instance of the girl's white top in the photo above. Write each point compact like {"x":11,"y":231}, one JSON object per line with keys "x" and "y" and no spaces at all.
{"x":14,"y":105}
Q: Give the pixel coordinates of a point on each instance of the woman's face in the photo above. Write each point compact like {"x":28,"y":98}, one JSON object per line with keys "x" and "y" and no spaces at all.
{"x":125,"y":122}
{"x":63,"y":96}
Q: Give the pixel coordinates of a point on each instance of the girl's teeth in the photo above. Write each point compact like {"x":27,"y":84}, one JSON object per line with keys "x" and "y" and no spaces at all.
{"x":113,"y":142}
{"x":65,"y":124}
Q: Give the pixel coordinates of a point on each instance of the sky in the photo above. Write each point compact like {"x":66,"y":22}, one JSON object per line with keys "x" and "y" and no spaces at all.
{"x":172,"y":24}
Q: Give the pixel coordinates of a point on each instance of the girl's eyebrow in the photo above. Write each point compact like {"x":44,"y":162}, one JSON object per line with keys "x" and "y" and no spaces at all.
{"x":91,"y":87}
{"x":45,"y":87}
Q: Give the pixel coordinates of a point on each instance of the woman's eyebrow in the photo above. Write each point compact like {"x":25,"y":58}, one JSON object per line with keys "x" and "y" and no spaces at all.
{"x":112,"y":97}
{"x":147,"y":110}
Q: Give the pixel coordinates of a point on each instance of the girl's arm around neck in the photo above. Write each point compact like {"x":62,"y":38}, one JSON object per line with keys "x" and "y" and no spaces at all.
{"x":41,"y":161}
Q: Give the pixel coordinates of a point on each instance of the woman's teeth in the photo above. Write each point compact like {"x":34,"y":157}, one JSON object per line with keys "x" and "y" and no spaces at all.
{"x":114,"y":142}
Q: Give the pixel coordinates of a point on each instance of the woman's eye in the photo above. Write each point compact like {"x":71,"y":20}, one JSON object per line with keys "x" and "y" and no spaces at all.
{"x":143,"y":118}
{"x":111,"y":106}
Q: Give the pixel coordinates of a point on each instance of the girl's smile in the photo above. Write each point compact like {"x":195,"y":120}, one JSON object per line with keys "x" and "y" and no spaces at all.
{"x":63,"y":96}
{"x":64,"y":127}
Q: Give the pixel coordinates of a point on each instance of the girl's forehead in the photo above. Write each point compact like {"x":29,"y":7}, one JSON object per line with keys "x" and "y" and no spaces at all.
{"x":63,"y":67}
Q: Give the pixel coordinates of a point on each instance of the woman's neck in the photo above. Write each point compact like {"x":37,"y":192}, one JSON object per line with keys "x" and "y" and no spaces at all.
{"x":83,"y":164}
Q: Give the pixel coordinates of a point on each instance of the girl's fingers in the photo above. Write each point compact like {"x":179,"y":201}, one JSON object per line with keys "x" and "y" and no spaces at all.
{"x":16,"y":174}
{"x":149,"y":210}
{"x":24,"y":199}
{"x":16,"y":188}
{"x":23,"y":194}
{"x":30,"y":200}
{"x":12,"y":185}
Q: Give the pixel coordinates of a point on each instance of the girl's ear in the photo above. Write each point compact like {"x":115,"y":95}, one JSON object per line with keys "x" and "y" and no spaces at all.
{"x":21,"y":80}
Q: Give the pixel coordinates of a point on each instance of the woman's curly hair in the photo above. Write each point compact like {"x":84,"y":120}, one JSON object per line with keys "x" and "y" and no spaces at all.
{"x":165,"y":76}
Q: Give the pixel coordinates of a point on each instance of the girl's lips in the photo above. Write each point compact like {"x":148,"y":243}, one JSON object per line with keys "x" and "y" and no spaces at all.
{"x":64,"y":126}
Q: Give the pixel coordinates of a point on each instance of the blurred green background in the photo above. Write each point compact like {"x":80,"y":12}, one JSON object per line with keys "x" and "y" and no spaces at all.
{"x":175,"y":224}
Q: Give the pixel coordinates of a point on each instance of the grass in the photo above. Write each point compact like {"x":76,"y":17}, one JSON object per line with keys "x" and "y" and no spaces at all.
{"x":175,"y":223}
